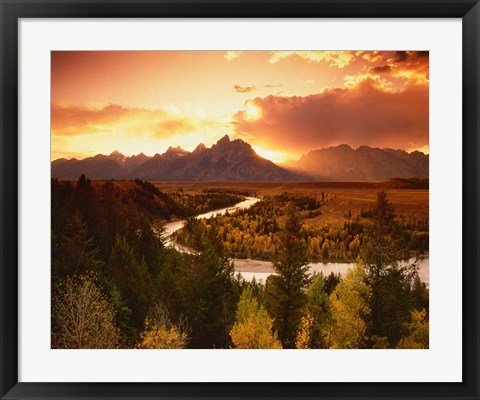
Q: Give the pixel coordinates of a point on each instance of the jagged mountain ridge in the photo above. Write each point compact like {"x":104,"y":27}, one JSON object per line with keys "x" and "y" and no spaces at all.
{"x":365,"y":163}
{"x":225,"y":160}
{"x":236,"y":160}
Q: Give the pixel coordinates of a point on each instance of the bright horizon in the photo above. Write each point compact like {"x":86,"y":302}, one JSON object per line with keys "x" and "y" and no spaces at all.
{"x":283,"y":103}
{"x":276,"y":157}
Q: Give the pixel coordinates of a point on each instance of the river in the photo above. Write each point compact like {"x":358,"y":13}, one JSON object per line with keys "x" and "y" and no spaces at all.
{"x":261,"y":270}
{"x":171,"y":227}
{"x":249,"y":269}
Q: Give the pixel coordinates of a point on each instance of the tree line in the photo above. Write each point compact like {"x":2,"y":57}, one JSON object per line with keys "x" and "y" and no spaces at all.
{"x":116,"y":284}
{"x":255,"y":232}
{"x":380,"y":303}
{"x":108,"y":250}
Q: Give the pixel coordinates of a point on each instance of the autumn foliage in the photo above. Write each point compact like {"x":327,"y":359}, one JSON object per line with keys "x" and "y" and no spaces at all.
{"x":117,"y":283}
{"x":253,"y":328}
{"x":82,"y":318}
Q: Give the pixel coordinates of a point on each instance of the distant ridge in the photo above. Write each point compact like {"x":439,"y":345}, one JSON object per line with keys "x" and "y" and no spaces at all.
{"x":234,"y":160}
{"x":365,"y":163}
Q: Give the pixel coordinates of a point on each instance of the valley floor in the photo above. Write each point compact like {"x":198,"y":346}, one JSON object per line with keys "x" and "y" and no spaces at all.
{"x":348,"y":196}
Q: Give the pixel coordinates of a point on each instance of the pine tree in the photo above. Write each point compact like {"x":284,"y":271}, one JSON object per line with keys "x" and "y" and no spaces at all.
{"x":317,"y":314}
{"x":325,"y":252}
{"x":73,"y":251}
{"x":207,"y":290}
{"x":150,"y":245}
{"x":132,"y":279}
{"x":390,"y":277}
{"x":285,"y":297}
{"x":417,"y":332}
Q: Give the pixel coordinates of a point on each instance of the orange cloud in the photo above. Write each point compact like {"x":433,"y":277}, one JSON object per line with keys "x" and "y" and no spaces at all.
{"x":231,"y":55}
{"x":361,"y":114}
{"x":352,"y":81}
{"x":372,"y":56}
{"x":412,"y":66}
{"x":339,"y":59}
{"x":77,"y":130}
{"x":272,"y":85}
{"x":82,"y":120}
{"x":244,"y":89}
{"x":250,"y":89}
{"x":176,"y":125}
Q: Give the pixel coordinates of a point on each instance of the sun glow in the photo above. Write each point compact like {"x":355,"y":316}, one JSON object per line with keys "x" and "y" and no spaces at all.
{"x":252,"y":112}
{"x":275,"y":156}
{"x":424,"y":149}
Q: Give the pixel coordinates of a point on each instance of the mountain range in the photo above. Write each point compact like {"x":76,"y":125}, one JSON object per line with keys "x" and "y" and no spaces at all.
{"x":362,"y":164}
{"x":233,"y":160}
{"x":225,"y":160}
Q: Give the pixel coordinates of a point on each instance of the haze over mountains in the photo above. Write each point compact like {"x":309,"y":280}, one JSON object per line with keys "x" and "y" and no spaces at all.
{"x":365,"y":163}
{"x":236,"y":160}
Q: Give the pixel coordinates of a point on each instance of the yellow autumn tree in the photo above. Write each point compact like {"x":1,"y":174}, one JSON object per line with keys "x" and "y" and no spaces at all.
{"x":161,"y":333}
{"x":161,"y":337}
{"x":82,"y":318}
{"x":418,"y":329}
{"x":313,"y":330}
{"x":253,"y":328}
{"x":304,"y":334}
{"x":349,"y":308}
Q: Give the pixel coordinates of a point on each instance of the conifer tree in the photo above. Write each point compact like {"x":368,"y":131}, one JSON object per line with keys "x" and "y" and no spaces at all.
{"x":207,"y":290}
{"x":384,"y":256}
{"x":317,"y":315}
{"x":417,"y":332}
{"x":73,"y":251}
{"x":132,"y":279}
{"x":285,"y":297}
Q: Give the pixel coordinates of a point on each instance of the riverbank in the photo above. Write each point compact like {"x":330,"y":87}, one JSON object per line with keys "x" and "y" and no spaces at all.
{"x":172,"y":226}
{"x":260,"y":269}
{"x":249,"y":268}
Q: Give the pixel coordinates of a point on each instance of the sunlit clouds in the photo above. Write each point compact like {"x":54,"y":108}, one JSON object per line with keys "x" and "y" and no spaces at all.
{"x":245,"y":89}
{"x":252,"y":112}
{"x":147,"y":130}
{"x":411,"y":66}
{"x":231,"y":55}
{"x":362,"y":114}
{"x":284,"y":103}
{"x":339,"y":59}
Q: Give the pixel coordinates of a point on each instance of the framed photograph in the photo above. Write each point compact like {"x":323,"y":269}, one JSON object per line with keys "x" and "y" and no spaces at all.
{"x":239,"y":200}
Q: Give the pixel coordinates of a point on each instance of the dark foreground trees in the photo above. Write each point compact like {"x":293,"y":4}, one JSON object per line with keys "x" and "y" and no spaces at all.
{"x":116,"y":284}
{"x":285,"y":295}
{"x":208,"y":294}
{"x":390,"y":276}
{"x":113,"y":230}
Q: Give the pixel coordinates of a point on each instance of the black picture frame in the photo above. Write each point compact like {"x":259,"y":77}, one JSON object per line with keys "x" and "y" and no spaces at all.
{"x":12,"y":11}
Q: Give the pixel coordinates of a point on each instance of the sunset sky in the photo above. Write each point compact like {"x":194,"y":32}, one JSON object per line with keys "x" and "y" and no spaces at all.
{"x":284,"y":103}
